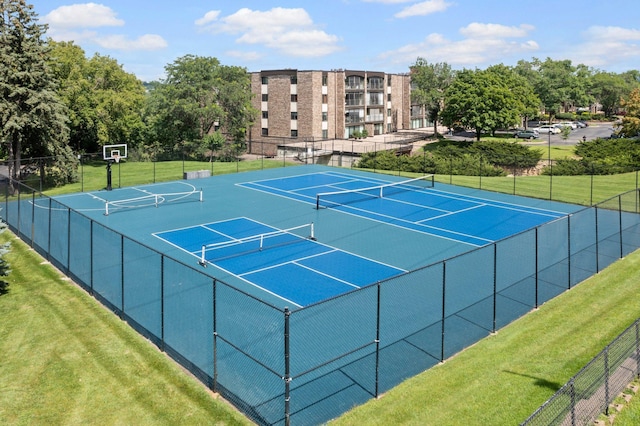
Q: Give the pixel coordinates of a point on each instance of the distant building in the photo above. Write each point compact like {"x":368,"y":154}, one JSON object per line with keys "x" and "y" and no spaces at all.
{"x":314,"y":105}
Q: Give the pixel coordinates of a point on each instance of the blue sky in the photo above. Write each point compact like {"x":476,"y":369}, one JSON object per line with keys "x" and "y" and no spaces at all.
{"x":375,"y":35}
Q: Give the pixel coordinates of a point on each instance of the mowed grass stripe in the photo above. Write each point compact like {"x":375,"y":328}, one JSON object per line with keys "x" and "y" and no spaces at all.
{"x":65,"y":359}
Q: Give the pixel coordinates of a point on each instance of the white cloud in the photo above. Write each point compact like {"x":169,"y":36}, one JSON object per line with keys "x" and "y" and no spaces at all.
{"x":387,"y":1}
{"x":607,"y":46}
{"x":482,"y":49}
{"x":208,"y":17}
{"x":423,"y":8}
{"x":121,"y":42}
{"x":289,"y":31}
{"x":65,"y":21}
{"x":477,"y":30}
{"x":88,"y":15}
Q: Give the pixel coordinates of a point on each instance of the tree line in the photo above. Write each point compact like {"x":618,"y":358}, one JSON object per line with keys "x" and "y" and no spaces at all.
{"x":502,"y":97}
{"x":57,"y":103}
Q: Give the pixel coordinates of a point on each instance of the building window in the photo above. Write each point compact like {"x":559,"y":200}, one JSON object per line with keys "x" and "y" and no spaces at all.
{"x":375,"y":98}
{"x":325,"y":116}
{"x":325,"y":99}
{"x":389,"y":112}
{"x":389,"y":81}
{"x":265,"y":114}
{"x":294,"y":79}
{"x":265,"y":97}
{"x":354,"y":99}
{"x":294,"y":115}
{"x":294,"y":133}
{"x":389,"y":97}
{"x":375,"y":83}
{"x":294,"y":98}
{"x":325,"y":134}
{"x":355,"y":82}
{"x":265,"y":80}
{"x":265,"y":131}
{"x":324,"y":79}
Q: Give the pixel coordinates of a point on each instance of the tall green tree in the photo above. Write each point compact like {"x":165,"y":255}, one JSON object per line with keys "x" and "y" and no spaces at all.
{"x":631,"y":121}
{"x":430,"y":81}
{"x":528,"y":103}
{"x":105,"y":102}
{"x":609,"y":89}
{"x":33,"y":121}
{"x":199,"y":97}
{"x":480,"y":100}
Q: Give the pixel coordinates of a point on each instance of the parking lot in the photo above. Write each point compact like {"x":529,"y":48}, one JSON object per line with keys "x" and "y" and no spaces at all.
{"x":593,"y":131}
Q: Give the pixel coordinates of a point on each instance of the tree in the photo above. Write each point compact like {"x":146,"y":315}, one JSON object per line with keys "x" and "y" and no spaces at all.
{"x":609,"y":89}
{"x":430,"y":82}
{"x":528,"y":103}
{"x":33,"y":121}
{"x":558,"y":84}
{"x":105,"y":102}
{"x":480,"y":100}
{"x":631,"y":121}
{"x":198,"y":97}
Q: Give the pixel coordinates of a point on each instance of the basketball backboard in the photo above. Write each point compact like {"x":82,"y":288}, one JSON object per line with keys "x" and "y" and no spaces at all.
{"x":111,"y":152}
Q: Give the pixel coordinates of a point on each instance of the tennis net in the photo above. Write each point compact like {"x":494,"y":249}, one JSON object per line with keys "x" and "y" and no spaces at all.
{"x":350,"y":196}
{"x":254,"y":243}
{"x":151,"y":200}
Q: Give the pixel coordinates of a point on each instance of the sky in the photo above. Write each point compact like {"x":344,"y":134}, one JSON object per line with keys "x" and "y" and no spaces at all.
{"x":366,"y":35}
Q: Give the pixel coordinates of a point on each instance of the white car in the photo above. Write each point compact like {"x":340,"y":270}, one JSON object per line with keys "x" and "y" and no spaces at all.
{"x":548,"y":128}
{"x":569,"y":124}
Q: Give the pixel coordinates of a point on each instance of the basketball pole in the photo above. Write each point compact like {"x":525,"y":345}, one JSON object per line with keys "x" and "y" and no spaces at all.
{"x":109,"y":162}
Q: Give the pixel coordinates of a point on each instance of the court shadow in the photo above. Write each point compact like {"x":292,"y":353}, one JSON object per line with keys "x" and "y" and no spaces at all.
{"x":538,"y":381}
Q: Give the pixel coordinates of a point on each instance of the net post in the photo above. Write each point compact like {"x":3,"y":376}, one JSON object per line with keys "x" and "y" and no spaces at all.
{"x":106,"y":208}
{"x":200,"y":194}
{"x":313,"y":234}
{"x":318,"y":202}
{"x":261,"y":241}
{"x":156,"y":200}
{"x":203,"y":262}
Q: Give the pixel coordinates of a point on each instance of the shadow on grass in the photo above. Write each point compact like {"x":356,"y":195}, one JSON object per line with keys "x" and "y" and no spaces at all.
{"x":538,"y":381}
{"x":4,"y":287}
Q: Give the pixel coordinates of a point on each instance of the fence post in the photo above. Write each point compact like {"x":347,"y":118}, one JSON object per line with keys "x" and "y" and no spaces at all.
{"x":620,"y":224}
{"x":444,"y":286}
{"x":287,"y":372}
{"x":378,"y":343}
{"x":637,"y":349}
{"x":606,"y":379}
{"x":214,"y":385}
{"x":572,"y":394}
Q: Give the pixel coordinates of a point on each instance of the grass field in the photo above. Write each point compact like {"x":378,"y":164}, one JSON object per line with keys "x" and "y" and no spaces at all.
{"x":67,"y":360}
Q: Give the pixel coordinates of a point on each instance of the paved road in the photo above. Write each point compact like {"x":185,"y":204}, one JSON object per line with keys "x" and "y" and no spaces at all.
{"x":595,"y":130}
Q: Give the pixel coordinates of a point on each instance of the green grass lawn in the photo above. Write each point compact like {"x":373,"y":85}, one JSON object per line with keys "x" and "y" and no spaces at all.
{"x":65,"y":359}
{"x":505,"y":377}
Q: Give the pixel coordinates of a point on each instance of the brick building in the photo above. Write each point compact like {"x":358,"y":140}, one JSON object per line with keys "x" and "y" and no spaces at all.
{"x":314,"y":105}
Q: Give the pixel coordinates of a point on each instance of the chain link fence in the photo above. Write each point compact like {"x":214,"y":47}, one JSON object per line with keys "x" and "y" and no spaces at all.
{"x":310,"y":365}
{"x":590,"y":392}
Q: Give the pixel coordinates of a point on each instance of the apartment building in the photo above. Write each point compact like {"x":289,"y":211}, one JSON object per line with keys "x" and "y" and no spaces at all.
{"x":314,"y":105}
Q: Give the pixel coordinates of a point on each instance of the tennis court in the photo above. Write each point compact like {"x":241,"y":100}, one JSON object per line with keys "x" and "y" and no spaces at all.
{"x":300,"y":292}
{"x":412,"y":204}
{"x":262,"y":256}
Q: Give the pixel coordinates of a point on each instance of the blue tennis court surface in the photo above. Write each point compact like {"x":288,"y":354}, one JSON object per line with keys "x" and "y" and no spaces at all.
{"x":465,"y":219}
{"x":358,"y":242}
{"x":263,"y":256}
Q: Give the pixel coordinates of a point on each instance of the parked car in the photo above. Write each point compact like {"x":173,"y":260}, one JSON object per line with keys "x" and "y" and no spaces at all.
{"x":548,"y":128}
{"x":526,"y":134}
{"x":581,"y":124}
{"x":569,"y":124}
